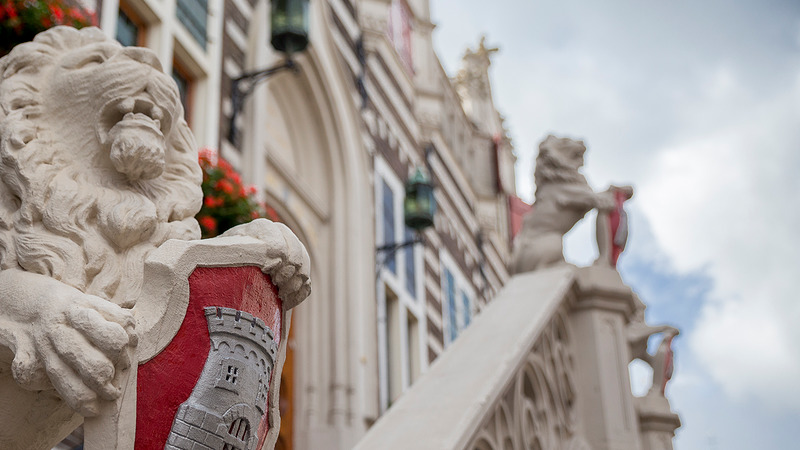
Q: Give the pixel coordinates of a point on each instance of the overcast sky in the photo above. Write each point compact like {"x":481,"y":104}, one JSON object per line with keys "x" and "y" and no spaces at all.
{"x":697,"y":104}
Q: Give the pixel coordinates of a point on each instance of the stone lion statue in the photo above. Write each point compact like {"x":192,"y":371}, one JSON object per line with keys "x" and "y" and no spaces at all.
{"x":97,"y":169}
{"x":563,"y":197}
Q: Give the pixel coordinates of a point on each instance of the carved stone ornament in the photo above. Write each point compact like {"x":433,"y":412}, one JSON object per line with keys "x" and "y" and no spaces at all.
{"x":639,"y":332}
{"x":231,"y":396}
{"x":563,"y":197}
{"x":472,"y":80}
{"x":99,"y":185}
{"x":538,"y":409}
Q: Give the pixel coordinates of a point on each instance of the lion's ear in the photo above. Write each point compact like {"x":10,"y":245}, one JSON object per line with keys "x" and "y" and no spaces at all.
{"x":545,"y":144}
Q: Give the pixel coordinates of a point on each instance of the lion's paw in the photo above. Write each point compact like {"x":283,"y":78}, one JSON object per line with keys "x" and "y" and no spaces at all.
{"x":287,"y":260}
{"x":78,"y":344}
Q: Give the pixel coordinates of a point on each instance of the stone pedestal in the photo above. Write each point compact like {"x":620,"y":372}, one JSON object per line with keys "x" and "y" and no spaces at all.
{"x":605,"y":404}
{"x":657,"y":422}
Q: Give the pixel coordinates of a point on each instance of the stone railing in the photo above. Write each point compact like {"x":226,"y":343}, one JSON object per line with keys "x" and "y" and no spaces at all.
{"x":544,"y":366}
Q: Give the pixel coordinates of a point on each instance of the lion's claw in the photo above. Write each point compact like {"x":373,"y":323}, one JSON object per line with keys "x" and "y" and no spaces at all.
{"x":287,"y":261}
{"x":65,"y":339}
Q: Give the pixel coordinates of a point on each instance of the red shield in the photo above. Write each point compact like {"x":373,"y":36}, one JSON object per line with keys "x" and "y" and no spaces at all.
{"x":167,"y":381}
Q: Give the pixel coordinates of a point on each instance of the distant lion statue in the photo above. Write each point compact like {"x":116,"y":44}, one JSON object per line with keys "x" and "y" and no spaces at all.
{"x":563,"y":197}
{"x":97,"y":169}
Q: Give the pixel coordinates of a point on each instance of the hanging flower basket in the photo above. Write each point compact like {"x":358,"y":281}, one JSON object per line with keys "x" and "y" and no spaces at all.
{"x":21,"y":20}
{"x":226,"y":202}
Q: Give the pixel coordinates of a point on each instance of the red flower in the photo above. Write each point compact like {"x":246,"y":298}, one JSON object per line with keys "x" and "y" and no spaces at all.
{"x":74,"y":13}
{"x":224,"y":166}
{"x":227,"y":202}
{"x":209,"y":223}
{"x":206,"y":155}
{"x":57,"y":12}
{"x":225,"y":186}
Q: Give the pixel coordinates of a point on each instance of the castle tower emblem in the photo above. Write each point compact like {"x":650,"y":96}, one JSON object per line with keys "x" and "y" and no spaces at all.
{"x":230,"y":398}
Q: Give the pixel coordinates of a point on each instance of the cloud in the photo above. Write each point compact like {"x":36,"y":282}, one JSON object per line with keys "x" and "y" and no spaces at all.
{"x":727,"y":200}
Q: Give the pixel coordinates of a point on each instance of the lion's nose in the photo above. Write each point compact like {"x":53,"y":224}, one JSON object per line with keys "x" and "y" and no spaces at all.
{"x":143,"y":55}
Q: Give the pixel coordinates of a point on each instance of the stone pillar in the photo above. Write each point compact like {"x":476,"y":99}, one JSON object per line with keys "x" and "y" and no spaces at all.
{"x":604,"y":400}
{"x":657,"y":422}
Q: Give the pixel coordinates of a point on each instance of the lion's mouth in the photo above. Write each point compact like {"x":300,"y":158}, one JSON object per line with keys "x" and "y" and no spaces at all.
{"x":133,"y":130}
{"x":140,"y":109}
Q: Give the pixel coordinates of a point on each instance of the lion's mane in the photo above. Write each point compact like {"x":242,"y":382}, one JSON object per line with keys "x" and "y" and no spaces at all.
{"x":550,"y":164}
{"x":59,"y":220}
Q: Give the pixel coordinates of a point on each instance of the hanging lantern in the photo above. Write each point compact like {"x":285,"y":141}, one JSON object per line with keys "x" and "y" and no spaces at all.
{"x":289,"y":21}
{"x":419,"y":205}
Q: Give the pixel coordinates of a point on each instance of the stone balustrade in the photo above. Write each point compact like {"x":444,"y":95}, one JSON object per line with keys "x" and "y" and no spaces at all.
{"x":544,"y":366}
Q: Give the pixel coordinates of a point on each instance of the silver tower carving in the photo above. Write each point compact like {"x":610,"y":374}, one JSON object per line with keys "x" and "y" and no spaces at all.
{"x":229,"y":400}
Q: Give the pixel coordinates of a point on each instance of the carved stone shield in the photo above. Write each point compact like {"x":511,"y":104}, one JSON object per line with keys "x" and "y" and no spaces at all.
{"x":214,"y":355}
{"x":210,"y":385}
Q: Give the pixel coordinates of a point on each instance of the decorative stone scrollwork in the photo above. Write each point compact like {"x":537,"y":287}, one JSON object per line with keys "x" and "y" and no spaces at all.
{"x":537,"y":410}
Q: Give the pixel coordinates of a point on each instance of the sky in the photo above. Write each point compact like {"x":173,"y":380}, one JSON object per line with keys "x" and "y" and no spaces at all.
{"x":697,"y":105}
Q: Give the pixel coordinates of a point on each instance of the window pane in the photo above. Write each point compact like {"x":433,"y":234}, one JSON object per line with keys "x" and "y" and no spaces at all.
{"x":411,"y":281}
{"x":467,"y":312}
{"x":388,"y":225}
{"x":127,"y":31}
{"x":193,"y":14}
{"x":183,"y":88}
{"x":450,"y":296}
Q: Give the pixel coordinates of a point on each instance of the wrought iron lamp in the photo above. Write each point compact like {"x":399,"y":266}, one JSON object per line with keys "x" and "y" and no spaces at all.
{"x":289,"y":22}
{"x":419,"y":207}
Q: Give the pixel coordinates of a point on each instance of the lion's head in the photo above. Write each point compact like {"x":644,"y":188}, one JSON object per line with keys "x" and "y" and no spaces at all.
{"x":559,"y":160}
{"x":97,"y":165}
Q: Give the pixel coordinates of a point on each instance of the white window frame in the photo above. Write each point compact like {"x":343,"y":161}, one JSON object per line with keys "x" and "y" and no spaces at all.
{"x":461,"y":284}
{"x":413,"y":304}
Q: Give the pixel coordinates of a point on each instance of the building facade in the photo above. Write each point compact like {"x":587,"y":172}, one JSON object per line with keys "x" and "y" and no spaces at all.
{"x":330,"y":147}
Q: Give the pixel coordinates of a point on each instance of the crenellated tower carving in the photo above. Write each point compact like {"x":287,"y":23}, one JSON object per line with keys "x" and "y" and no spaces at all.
{"x":230,"y":397}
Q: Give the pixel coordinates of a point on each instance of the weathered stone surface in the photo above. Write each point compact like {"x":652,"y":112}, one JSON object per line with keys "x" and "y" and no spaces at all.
{"x":97,"y":170}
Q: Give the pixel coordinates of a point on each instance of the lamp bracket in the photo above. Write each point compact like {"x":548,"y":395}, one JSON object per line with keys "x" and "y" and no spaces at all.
{"x":244,"y":85}
{"x":392,"y":248}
